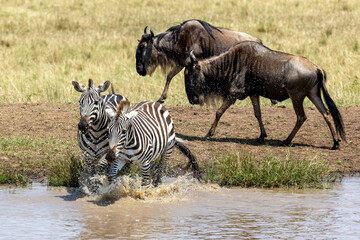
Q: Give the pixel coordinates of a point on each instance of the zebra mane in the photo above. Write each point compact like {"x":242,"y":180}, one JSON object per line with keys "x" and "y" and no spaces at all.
{"x":91,"y":83}
{"x":123,"y":107}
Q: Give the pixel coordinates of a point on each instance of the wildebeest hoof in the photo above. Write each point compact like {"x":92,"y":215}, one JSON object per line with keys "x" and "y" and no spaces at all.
{"x":286,"y":143}
{"x":198,"y":175}
{"x":207,"y":136}
{"x":335,"y":146}
{"x":260,"y":140}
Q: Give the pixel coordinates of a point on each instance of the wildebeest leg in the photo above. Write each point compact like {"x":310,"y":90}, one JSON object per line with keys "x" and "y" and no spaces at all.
{"x":170,"y":76}
{"x":300,"y":116}
{"x":316,"y":99}
{"x":226,"y":104}
{"x":256,"y":105}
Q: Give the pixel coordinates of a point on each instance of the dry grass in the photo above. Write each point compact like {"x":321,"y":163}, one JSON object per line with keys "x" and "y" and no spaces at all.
{"x":44,"y":45}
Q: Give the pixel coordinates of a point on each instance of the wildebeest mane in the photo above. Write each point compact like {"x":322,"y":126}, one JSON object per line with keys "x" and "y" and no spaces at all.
{"x":175,"y":30}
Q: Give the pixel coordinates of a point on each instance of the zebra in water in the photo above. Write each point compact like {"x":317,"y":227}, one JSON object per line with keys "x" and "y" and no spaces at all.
{"x":142,"y":135}
{"x":95,"y":114}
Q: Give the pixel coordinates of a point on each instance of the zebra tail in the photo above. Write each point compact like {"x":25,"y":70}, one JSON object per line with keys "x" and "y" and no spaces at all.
{"x":180,"y":144}
{"x":339,"y":125}
{"x":112,"y":89}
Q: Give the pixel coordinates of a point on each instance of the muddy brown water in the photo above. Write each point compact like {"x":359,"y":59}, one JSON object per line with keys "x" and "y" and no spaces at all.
{"x":180,"y":209}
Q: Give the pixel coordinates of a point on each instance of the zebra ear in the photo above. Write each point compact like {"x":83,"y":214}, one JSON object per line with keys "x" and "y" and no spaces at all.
{"x":78,"y":87}
{"x":103,"y":87}
{"x":123,"y":107}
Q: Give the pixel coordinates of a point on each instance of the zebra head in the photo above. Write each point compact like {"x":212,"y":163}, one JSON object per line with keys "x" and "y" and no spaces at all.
{"x":91,"y":104}
{"x":119,"y":130}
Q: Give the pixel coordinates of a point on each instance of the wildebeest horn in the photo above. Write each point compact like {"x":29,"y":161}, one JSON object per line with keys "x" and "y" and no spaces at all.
{"x":192,"y":57}
{"x":145,"y":29}
{"x":151,"y":32}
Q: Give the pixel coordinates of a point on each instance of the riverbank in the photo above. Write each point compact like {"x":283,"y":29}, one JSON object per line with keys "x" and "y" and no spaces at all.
{"x":33,"y":137}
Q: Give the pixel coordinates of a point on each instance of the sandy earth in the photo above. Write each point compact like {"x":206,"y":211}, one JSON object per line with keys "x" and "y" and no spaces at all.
{"x":237,"y":130}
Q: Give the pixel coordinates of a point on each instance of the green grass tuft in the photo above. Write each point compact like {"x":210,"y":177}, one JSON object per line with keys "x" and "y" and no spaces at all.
{"x":240,"y":169}
{"x":66,"y":172}
{"x":9,"y":175}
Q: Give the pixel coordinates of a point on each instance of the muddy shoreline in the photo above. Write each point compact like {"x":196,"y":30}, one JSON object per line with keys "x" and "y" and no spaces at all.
{"x":237,"y":130}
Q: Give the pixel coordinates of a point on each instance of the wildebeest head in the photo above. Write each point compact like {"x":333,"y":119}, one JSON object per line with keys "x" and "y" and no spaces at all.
{"x":91,"y":103}
{"x":143,"y":52}
{"x":195,"y":84}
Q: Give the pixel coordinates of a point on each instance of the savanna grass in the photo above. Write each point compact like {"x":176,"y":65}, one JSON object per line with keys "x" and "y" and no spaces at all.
{"x":9,"y":175}
{"x":44,"y":45}
{"x":240,"y":169}
{"x":66,"y":172}
{"x":25,"y":158}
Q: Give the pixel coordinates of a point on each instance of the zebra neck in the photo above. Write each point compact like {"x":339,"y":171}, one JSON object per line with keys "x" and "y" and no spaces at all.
{"x":101,"y":122}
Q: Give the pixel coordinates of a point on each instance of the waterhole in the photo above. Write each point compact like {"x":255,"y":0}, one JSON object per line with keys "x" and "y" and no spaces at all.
{"x":180,"y":209}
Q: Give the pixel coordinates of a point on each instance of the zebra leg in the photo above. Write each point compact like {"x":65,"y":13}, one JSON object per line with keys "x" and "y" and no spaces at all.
{"x":114,"y":168}
{"x":89,"y":164}
{"x":102,"y":166}
{"x":145,"y":168}
{"x":162,"y":163}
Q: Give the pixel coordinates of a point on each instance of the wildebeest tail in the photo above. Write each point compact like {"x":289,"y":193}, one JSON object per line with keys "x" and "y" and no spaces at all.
{"x":339,"y":125}
{"x":192,"y":159}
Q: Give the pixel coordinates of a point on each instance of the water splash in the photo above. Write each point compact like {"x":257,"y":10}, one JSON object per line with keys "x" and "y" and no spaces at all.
{"x":172,"y":189}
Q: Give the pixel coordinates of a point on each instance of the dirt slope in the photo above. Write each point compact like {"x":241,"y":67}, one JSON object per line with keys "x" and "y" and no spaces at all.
{"x":237,"y":130}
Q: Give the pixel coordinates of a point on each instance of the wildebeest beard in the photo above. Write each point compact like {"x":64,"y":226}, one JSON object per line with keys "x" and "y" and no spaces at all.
{"x":152,"y":60}
{"x":201,"y":97}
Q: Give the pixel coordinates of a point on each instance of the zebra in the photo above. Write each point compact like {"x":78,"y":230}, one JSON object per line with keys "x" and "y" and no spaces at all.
{"x":142,"y":135}
{"x":95,"y":114}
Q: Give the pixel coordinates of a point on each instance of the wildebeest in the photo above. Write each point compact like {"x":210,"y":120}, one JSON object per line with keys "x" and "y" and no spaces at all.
{"x":171,"y":48}
{"x":251,"y":69}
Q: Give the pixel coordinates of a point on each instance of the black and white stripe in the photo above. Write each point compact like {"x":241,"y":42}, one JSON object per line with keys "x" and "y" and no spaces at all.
{"x":95,"y":114}
{"x":141,"y":136}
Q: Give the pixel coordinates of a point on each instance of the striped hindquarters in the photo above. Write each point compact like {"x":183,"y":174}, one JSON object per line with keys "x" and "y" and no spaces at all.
{"x":155,"y":116}
{"x":151,"y":132}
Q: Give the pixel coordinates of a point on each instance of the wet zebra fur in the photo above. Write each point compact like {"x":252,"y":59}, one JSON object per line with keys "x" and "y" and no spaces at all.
{"x":141,"y":136}
{"x":95,"y":114}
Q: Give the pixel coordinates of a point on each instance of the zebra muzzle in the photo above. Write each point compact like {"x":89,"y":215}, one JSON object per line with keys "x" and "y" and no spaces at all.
{"x":110,"y":156}
{"x":83,"y":125}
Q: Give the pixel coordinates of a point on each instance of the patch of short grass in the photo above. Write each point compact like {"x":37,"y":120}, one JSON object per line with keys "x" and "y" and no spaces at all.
{"x":11,"y":176}
{"x":241,"y":169}
{"x":66,"y":172}
{"x":25,"y":157}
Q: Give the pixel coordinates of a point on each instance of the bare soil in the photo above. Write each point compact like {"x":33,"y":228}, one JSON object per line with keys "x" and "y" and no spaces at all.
{"x":237,"y":130}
